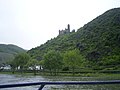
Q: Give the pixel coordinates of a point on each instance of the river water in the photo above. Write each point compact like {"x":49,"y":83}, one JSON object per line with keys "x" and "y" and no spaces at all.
{"x":15,"y":79}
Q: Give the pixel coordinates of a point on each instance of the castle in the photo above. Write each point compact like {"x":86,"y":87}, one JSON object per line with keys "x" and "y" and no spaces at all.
{"x":66,"y":31}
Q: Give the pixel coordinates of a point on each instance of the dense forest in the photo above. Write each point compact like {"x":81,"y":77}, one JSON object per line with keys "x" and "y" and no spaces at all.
{"x":97,"y":41}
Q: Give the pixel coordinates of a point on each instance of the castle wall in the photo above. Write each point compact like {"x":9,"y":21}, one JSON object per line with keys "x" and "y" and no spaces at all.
{"x":66,"y":31}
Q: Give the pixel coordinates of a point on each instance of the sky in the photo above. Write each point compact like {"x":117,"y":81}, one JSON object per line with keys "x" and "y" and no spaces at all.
{"x":30,"y":23}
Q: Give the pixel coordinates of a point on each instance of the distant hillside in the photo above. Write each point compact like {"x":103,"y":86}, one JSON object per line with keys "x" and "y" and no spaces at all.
{"x":7,"y":52}
{"x":98,"y":40}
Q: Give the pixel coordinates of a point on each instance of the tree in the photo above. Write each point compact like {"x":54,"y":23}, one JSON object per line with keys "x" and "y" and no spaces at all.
{"x":41,"y":63}
{"x":21,"y":60}
{"x":112,"y":60}
{"x":73,"y":59}
{"x":12,"y":63}
{"x":53,"y":61}
{"x":32,"y":63}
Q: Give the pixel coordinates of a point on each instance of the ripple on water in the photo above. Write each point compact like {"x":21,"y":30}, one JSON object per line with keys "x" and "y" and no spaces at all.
{"x":13,"y":79}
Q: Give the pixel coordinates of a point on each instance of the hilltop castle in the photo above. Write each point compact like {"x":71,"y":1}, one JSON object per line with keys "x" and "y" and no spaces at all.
{"x":66,"y":31}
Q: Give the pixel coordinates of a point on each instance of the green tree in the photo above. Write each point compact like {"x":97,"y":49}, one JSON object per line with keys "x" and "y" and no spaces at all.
{"x":21,"y":60}
{"x":41,"y":63}
{"x":112,"y":60}
{"x":53,"y":61}
{"x":13,"y":65}
{"x":73,"y":59}
{"x":32,"y":63}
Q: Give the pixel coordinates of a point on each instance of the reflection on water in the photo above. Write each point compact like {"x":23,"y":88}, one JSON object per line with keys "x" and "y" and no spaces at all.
{"x":14,"y":79}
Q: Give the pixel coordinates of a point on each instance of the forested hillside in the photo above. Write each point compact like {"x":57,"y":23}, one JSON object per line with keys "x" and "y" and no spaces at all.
{"x":7,"y":52}
{"x":98,"y":41}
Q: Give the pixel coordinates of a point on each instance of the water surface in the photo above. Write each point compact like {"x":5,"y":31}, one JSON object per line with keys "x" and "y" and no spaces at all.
{"x":15,"y":79}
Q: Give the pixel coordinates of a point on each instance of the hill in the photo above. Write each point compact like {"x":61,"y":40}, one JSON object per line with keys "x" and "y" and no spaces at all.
{"x":98,"y":40}
{"x":7,"y":52}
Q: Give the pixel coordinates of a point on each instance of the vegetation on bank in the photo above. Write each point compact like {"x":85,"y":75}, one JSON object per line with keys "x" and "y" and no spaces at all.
{"x":107,"y":76}
{"x":55,"y":63}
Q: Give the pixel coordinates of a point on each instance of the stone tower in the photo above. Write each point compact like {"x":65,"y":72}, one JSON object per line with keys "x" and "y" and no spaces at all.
{"x":69,"y":27}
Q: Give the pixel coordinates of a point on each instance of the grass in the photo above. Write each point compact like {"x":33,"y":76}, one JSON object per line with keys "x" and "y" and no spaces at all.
{"x":92,"y":74}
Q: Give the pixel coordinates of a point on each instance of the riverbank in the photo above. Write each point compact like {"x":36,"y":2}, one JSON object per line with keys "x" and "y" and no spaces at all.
{"x":92,"y":74}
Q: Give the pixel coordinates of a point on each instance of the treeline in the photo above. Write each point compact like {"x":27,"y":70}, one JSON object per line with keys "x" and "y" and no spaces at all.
{"x":53,"y":62}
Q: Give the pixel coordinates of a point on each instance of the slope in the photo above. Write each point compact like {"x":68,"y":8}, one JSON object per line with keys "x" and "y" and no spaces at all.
{"x":7,"y":52}
{"x":98,"y":40}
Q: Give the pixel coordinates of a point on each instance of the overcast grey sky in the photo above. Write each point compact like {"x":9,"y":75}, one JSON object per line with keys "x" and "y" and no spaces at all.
{"x":30,"y":23}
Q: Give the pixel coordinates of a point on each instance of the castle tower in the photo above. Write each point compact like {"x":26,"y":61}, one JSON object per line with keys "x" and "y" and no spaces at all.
{"x":69,"y":27}
{"x":59,"y":32}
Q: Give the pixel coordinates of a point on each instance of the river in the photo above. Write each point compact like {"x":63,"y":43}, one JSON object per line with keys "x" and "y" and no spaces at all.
{"x":15,"y":79}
